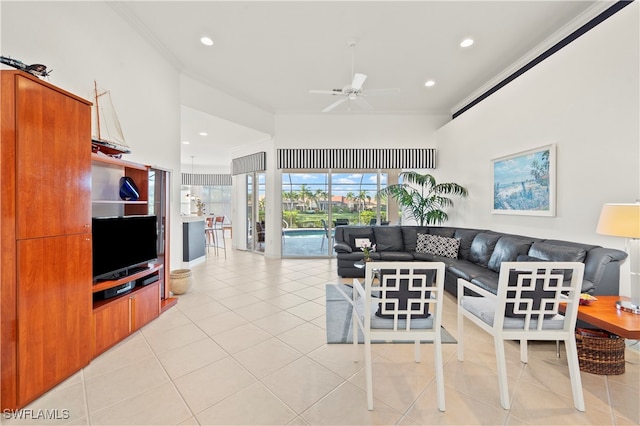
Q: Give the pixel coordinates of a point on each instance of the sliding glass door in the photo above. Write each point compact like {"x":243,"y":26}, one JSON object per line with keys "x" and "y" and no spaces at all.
{"x":313,"y":203}
{"x":255,"y":211}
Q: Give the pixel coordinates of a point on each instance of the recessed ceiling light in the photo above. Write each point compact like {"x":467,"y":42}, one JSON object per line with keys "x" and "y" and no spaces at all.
{"x":186,"y":142}
{"x":466,"y":42}
{"x":203,"y":133}
{"x":207,"y":41}
{"x":429,"y":83}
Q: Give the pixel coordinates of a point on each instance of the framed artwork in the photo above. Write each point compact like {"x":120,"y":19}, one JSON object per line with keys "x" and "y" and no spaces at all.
{"x":525,"y":183}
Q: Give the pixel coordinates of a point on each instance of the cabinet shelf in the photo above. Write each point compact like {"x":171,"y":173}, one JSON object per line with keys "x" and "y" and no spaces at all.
{"x":116,"y":162}
{"x":118,"y":202}
{"x":105,"y":285}
{"x":105,"y":302}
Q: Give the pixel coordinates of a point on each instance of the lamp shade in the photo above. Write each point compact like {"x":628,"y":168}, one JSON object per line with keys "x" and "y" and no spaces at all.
{"x":620,"y":220}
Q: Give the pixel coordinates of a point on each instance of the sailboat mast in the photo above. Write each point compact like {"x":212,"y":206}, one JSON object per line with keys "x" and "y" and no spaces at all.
{"x":95,"y":88}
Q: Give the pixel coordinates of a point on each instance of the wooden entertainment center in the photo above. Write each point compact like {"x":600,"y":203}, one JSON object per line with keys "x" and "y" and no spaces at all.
{"x":51,"y":327}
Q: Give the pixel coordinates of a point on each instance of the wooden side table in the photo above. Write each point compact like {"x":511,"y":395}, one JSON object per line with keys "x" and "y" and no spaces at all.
{"x":603,"y":313}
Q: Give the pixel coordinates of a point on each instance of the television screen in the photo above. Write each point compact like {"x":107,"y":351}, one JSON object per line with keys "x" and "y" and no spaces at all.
{"x":121,"y":243}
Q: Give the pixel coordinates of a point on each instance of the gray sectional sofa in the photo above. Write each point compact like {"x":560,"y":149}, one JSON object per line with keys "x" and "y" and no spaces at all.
{"x":478,"y":254}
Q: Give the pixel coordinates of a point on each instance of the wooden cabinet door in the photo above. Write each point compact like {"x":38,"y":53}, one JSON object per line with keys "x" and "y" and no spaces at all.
{"x":53,"y":161}
{"x":146,"y":306}
{"x":54,"y":313}
{"x":112,"y":323}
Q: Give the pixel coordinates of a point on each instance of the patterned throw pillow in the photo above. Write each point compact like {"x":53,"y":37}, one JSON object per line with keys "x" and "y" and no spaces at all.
{"x":421,"y":243}
{"x":437,"y":245}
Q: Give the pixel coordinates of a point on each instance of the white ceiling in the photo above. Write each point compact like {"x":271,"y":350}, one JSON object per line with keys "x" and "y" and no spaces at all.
{"x":271,"y":54}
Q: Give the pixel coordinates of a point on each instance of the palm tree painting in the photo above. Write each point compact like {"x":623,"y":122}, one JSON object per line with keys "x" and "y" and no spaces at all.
{"x":524,"y":183}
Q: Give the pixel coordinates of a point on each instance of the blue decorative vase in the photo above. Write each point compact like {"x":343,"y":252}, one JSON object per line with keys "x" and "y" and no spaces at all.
{"x":128,"y":189}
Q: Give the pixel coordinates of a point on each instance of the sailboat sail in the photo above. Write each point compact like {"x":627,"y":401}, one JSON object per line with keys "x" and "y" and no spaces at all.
{"x":106,"y":133}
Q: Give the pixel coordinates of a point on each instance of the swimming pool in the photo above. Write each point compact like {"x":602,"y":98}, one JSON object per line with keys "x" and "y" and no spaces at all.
{"x":303,"y":232}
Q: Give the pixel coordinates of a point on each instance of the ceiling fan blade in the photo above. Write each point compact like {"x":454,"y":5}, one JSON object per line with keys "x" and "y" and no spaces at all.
{"x":362,"y":102}
{"x":333,"y":92}
{"x":358,"y":81}
{"x":335,"y":104}
{"x":380,"y":92}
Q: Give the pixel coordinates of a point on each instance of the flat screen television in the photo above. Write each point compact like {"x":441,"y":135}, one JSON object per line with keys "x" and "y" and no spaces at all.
{"x":121,"y":244}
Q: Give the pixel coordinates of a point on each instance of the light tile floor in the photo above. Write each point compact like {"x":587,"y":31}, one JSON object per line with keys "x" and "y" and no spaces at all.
{"x":246,"y":345}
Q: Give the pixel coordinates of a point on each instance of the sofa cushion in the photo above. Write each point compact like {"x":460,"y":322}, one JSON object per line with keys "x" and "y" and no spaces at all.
{"x":427,"y":257}
{"x":395,"y":256}
{"x":388,"y":238}
{"x":487,"y":280}
{"x":404,"y":294}
{"x":526,"y":258}
{"x":466,"y":270}
{"x":485,"y":309}
{"x":410,"y":236}
{"x":466,"y":238}
{"x":558,"y":253}
{"x":508,"y":249}
{"x":441,"y":246}
{"x":441,"y":231}
{"x":482,"y":248}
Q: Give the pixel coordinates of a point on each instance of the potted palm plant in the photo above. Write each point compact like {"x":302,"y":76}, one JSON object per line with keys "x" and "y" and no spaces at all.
{"x":420,"y":197}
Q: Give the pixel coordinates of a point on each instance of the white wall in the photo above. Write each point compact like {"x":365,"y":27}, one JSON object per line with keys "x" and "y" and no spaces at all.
{"x":86,"y":41}
{"x":585,"y":100}
{"x":356,"y":130}
{"x":202,"y":97}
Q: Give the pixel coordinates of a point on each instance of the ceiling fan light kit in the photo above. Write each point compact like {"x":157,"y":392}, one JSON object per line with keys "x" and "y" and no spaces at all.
{"x":354,"y":91}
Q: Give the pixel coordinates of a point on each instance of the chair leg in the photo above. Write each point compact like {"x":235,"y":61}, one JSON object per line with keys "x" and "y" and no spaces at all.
{"x":368,"y":372}
{"x":574,"y":373}
{"x":416,"y":348}
{"x":354,"y":333}
{"x":502,"y":372}
{"x":460,"y":335}
{"x":437,"y":347}
{"x":523,"y":352}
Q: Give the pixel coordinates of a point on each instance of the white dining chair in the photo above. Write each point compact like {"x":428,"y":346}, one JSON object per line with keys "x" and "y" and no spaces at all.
{"x":407,"y":307}
{"x":526,"y":308}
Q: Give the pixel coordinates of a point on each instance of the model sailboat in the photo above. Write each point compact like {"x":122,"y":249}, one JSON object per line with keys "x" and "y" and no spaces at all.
{"x":106,"y":133}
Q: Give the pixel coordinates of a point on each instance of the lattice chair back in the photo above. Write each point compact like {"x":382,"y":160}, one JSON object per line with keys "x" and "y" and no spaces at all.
{"x":531,"y":293}
{"x":405,"y":295}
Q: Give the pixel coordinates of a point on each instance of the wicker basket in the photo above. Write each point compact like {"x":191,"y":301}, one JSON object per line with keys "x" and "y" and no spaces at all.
{"x":181,"y":281}
{"x":600,"y":352}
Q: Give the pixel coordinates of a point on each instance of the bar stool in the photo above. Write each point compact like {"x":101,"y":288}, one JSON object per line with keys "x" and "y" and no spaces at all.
{"x":218,"y":226}
{"x":209,"y":234}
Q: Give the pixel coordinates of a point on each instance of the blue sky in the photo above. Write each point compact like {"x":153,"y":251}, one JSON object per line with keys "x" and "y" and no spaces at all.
{"x":514,"y":169}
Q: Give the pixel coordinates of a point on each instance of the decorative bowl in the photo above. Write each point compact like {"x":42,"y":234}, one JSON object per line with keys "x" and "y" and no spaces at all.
{"x":587,"y":299}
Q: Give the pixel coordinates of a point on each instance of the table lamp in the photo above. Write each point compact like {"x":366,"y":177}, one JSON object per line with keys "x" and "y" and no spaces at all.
{"x":623,"y":220}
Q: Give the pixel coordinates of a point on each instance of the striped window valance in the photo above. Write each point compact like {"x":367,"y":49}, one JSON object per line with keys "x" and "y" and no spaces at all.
{"x":249,"y":163}
{"x":366,"y":158}
{"x":206,"y":179}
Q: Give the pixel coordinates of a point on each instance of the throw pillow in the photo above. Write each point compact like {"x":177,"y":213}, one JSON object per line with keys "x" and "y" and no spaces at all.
{"x":356,"y":241}
{"x":421,"y":243}
{"x":535,"y":294}
{"x":407,"y":298}
{"x":442,"y":246}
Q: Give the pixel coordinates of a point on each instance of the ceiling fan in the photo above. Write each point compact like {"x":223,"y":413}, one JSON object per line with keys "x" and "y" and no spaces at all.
{"x":354,"y":91}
